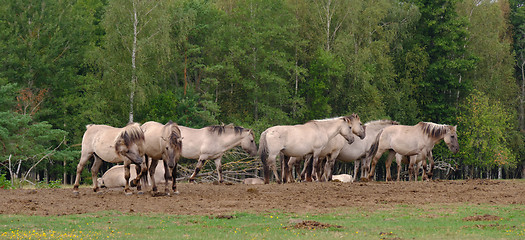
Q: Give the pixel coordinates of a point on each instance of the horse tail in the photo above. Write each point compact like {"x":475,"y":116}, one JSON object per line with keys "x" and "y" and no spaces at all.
{"x":373,"y":148}
{"x":263,"y":152}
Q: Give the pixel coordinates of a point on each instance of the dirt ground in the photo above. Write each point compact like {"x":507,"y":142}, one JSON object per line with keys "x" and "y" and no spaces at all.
{"x":210,"y":199}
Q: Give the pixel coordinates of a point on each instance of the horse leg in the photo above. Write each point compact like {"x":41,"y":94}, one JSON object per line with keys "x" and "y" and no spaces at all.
{"x":284,"y":168}
{"x":399,"y":159}
{"x":83,"y":160}
{"x":388,"y":163}
{"x":411,"y":170}
{"x":306,"y":174}
{"x":292,"y":164}
{"x":140,"y":171}
{"x":127,"y":164}
{"x":218,"y":165}
{"x":94,"y":171}
{"x":430,"y":172}
{"x":356,"y":170}
{"x":200,"y":163}
{"x":328,"y":167}
{"x":173,"y":176}
{"x":152,"y":168}
{"x":373,"y":165}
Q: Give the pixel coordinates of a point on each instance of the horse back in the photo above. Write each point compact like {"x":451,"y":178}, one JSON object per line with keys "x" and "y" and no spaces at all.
{"x":100,"y":139}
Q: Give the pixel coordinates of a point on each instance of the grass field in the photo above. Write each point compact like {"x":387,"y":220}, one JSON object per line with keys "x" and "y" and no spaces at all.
{"x":399,"y":222}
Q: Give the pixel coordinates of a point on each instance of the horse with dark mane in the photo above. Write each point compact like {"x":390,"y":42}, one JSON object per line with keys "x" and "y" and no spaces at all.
{"x":163,"y":142}
{"x":212,"y":142}
{"x":114,"y":145}
{"x":411,"y":141}
{"x":303,"y":140}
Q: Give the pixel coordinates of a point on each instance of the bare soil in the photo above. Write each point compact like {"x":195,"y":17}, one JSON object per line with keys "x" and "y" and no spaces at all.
{"x":210,"y":199}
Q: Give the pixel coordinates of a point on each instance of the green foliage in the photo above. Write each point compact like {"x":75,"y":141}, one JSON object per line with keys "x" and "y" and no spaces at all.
{"x":5,"y":183}
{"x":484,"y":127}
{"x":187,"y":110}
{"x":443,"y":35}
{"x":322,"y":73}
{"x":52,"y":184}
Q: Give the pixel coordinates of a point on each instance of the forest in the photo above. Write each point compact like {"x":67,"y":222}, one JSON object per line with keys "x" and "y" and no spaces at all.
{"x":257,"y":64}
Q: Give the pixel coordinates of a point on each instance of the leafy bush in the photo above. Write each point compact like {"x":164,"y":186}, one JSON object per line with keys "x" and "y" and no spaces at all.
{"x":4,"y":183}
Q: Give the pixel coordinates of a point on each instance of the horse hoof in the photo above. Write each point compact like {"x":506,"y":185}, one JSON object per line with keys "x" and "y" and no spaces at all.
{"x":76,"y":193}
{"x":128,"y":193}
{"x":176,"y":193}
{"x":140,"y":193}
{"x":99,"y":193}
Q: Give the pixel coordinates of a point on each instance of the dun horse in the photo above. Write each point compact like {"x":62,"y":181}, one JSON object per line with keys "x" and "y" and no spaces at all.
{"x":212,"y":142}
{"x":356,"y":151}
{"x":411,"y":141}
{"x":163,"y":142}
{"x":115,"y":145}
{"x":304,"y":139}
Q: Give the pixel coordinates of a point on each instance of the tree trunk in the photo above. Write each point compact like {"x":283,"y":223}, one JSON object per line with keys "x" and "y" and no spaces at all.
{"x":65,"y":174}
{"x":133,"y":64}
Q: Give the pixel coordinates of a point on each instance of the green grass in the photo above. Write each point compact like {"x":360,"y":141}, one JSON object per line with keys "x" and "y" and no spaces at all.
{"x":383,"y":222}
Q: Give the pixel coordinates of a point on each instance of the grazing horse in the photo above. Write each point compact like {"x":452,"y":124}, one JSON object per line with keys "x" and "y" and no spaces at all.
{"x":212,"y":142}
{"x":163,"y":142}
{"x":304,"y":139}
{"x":115,"y":145}
{"x":411,"y":141}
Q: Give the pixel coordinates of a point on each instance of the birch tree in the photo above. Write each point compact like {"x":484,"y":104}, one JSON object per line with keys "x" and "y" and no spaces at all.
{"x":134,"y":29}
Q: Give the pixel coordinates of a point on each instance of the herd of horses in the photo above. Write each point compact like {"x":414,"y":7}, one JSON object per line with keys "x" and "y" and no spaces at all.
{"x":318,"y":142}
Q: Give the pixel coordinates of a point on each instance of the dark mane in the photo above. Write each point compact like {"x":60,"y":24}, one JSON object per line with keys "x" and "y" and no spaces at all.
{"x":220,"y":129}
{"x":131,"y":134}
{"x":175,"y":135}
{"x":432,"y":129}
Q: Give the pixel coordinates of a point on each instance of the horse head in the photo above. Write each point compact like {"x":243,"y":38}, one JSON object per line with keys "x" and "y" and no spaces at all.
{"x":357,"y":127}
{"x":248,"y":142}
{"x":346,"y":132}
{"x":130,"y":144}
{"x":173,"y":148}
{"x":451,"y":139}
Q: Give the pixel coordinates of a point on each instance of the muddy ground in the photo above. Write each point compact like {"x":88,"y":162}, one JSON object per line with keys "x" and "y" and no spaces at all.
{"x":207,"y":198}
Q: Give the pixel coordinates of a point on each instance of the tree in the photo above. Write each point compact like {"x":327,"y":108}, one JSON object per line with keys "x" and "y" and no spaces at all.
{"x":484,"y":125}
{"x":443,"y":35}
{"x":135,"y":34}
{"x":24,"y":144}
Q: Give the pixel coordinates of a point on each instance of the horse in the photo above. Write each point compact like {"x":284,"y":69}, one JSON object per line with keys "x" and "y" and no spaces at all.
{"x":304,"y":139}
{"x":251,"y":181}
{"x":411,"y":141}
{"x":330,"y":152}
{"x":114,"y":177}
{"x":212,"y":142}
{"x":345,"y":178}
{"x":357,"y":151}
{"x":163,"y":142}
{"x":115,"y":145}
{"x":413,"y":168}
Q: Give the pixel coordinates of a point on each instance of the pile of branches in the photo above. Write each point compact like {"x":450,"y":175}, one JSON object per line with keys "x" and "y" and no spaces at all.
{"x":236,"y":166}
